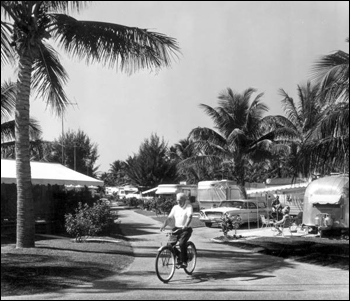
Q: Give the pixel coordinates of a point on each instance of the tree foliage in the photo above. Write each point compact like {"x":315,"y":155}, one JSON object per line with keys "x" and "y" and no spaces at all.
{"x":152,"y":165}
{"x":241,"y":134}
{"x":79,"y":152}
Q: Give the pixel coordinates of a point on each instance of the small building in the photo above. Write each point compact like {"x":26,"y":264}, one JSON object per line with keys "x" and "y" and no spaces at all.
{"x":48,"y":179}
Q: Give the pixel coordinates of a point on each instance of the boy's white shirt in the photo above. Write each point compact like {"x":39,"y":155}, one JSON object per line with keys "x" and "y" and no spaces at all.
{"x":180,"y":214}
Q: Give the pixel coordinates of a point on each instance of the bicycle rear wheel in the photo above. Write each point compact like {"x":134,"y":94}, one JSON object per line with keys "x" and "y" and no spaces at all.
{"x":191,"y":258}
{"x":165,"y":264}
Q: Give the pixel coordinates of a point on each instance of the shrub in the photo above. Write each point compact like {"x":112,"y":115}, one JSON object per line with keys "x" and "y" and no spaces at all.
{"x":66,"y":202}
{"x":89,"y":221}
{"x":132,"y":202}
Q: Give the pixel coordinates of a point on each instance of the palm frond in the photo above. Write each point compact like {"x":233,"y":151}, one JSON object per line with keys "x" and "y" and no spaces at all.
{"x":255,"y":113}
{"x":129,"y":48}
{"x":290,"y":108}
{"x":238,"y":137}
{"x":208,"y":135}
{"x":273,"y":122}
{"x":202,"y":160}
{"x":334,"y":122}
{"x":332,"y":72}
{"x":7,"y":53}
{"x":219,"y":116}
{"x":7,"y":131}
{"x":64,"y":6}
{"x":8,"y":99}
{"x":49,"y":78}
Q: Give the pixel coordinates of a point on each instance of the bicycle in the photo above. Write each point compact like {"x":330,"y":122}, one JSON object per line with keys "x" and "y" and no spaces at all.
{"x":166,"y":260}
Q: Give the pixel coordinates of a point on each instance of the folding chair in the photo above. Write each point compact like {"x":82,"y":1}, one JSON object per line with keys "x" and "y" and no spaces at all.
{"x":265,"y":221}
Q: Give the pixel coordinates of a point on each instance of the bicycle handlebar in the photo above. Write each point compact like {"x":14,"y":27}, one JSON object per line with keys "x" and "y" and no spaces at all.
{"x":172,"y":232}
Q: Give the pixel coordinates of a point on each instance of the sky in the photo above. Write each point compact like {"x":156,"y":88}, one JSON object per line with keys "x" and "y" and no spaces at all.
{"x":266,"y":45}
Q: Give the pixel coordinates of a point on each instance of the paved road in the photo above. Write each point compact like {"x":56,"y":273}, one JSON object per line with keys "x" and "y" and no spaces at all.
{"x":223,"y":272}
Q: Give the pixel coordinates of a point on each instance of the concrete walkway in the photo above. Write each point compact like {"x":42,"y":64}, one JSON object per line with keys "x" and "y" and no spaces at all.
{"x":223,"y":272}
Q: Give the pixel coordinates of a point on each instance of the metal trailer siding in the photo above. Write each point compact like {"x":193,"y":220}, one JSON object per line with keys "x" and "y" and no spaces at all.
{"x":328,"y":190}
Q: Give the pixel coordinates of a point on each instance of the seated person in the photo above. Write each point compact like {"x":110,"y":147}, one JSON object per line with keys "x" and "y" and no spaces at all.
{"x":276,"y":212}
{"x":276,"y":208}
{"x":275,"y":202}
{"x":278,"y":224}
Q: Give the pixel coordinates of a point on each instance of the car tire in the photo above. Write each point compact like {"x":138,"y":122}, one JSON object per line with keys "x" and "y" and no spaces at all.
{"x":208,"y":225}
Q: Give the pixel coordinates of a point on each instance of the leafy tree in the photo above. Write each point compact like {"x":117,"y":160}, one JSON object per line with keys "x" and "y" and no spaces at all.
{"x":152,"y":165}
{"x":242,"y":134}
{"x":80,"y":153}
{"x":26,"y":27}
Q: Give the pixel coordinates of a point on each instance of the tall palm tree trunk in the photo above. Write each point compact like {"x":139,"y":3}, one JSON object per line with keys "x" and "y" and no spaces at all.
{"x":25,"y":204}
{"x":239,"y":172}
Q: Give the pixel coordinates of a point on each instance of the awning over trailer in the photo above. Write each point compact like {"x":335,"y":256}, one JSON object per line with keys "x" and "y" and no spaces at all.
{"x":166,"y":190}
{"x":44,"y":173}
{"x":330,"y":199}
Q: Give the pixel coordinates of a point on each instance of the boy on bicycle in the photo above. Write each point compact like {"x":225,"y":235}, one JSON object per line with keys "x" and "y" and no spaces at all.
{"x":182,"y":214}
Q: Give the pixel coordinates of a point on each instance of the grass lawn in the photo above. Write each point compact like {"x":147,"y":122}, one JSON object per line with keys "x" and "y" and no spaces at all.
{"x":60,"y":263}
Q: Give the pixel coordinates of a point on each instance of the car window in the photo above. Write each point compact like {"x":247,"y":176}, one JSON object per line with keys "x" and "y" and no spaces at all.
{"x":261,"y":205}
{"x":233,"y":204}
{"x":251,"y":205}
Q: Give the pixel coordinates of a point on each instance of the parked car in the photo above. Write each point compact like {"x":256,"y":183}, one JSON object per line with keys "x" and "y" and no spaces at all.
{"x":248,"y":210}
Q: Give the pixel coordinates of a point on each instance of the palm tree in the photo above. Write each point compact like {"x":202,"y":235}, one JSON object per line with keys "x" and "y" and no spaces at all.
{"x":193,"y":172}
{"x":328,"y":150}
{"x":118,"y":173}
{"x":243,"y":135}
{"x":332,"y":72}
{"x":25,"y":28}
{"x":304,"y":116}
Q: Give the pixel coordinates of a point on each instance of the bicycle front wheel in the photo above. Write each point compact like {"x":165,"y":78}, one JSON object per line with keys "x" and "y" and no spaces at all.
{"x":165,"y":264}
{"x":191,"y":258}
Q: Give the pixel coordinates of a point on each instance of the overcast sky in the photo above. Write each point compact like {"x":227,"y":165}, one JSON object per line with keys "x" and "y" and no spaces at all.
{"x":266,"y":45}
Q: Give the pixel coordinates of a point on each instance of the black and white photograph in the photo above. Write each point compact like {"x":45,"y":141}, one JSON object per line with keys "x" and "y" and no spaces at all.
{"x":174,"y":150}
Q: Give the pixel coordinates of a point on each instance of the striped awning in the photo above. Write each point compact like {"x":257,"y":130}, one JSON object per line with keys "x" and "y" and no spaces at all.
{"x":278,"y":188}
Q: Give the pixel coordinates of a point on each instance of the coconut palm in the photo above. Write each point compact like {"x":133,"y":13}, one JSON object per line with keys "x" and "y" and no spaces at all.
{"x":26,"y":27}
{"x":192,"y":172}
{"x":304,"y":117}
{"x":242,"y":134}
{"x":332,"y":72}
{"x":328,"y":148}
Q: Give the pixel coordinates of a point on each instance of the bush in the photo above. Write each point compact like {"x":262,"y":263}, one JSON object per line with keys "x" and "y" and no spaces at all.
{"x":160,"y":204}
{"x":132,"y":202}
{"x":89,"y":221}
{"x":66,"y":202}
